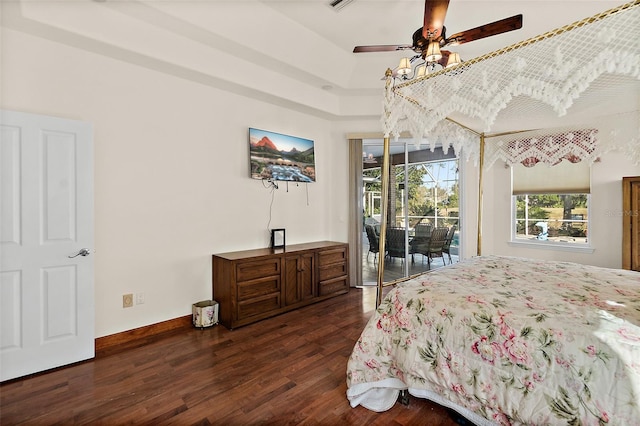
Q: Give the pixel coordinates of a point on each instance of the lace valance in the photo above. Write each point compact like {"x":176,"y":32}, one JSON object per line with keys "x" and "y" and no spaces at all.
{"x":550,"y":148}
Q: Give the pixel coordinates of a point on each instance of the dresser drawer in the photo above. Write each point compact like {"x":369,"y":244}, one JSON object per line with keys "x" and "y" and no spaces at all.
{"x":246,"y":271}
{"x":258,"y":287}
{"x":326,"y":257}
{"x":339,"y":285}
{"x":258,"y":306}
{"x":332,"y":271}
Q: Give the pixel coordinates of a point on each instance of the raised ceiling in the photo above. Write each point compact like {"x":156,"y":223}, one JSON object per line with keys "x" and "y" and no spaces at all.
{"x":294,"y":53}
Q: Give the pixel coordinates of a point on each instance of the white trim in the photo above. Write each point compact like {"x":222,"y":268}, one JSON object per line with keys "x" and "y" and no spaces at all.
{"x":553,"y":246}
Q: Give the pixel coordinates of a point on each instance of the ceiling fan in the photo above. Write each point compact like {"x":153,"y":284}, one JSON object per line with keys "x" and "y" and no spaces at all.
{"x":433,"y":34}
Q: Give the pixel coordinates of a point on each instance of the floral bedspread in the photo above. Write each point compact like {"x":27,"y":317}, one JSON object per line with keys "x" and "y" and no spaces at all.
{"x":512,"y":340}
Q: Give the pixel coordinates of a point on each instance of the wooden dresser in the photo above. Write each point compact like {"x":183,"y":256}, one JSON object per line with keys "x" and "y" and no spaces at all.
{"x":631,"y":223}
{"x":252,"y":285}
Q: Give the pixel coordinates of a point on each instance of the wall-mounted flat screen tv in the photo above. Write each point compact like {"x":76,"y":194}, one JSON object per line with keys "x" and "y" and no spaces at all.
{"x":275,"y":156}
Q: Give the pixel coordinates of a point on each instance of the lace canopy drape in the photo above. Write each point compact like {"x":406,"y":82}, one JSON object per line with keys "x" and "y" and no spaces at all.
{"x":528,"y":94}
{"x":566,"y":72}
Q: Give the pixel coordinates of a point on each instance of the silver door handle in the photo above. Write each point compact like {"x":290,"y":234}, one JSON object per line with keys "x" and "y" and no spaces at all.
{"x":82,"y":252}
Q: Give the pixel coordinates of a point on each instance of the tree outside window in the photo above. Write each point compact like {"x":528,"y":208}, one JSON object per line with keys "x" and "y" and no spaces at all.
{"x":565,"y":216}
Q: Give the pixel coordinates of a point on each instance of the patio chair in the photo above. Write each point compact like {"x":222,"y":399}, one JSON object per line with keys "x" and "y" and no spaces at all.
{"x":447,"y":245}
{"x":423,"y":230}
{"x":374,"y":241}
{"x":436,"y":244}
{"x":420,"y":242}
{"x":395,"y":243}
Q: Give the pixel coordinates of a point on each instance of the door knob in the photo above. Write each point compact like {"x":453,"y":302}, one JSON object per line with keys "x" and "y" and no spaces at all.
{"x":82,"y":252}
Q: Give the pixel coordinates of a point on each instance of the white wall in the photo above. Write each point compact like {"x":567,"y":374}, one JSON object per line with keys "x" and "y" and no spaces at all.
{"x":469,"y":209}
{"x":172,"y":179}
{"x":605,"y":221}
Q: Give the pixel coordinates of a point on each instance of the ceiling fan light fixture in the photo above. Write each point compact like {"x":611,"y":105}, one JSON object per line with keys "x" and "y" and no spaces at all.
{"x":454,"y":59}
{"x":421,"y":70}
{"x":433,"y":52}
{"x":404,"y":67}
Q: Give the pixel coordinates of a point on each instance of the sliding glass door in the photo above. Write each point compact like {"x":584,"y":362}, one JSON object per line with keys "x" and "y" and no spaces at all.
{"x":423,"y":195}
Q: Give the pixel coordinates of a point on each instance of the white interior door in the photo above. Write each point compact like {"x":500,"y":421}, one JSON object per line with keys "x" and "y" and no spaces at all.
{"x":46,"y":295}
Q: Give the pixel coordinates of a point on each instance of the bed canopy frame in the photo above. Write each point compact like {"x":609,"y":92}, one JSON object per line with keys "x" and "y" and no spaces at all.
{"x":532,"y":95}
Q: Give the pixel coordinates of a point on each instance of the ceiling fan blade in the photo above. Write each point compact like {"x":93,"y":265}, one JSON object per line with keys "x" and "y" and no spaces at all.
{"x":381,"y":48}
{"x":434,"y":13}
{"x":487,"y":30}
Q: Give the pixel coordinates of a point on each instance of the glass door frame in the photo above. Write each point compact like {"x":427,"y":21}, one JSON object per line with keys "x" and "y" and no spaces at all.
{"x":361,"y":206}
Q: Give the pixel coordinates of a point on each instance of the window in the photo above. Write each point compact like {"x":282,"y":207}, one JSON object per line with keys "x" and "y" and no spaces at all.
{"x":559,"y":218}
{"x":432,"y":193}
{"x":551,"y":204}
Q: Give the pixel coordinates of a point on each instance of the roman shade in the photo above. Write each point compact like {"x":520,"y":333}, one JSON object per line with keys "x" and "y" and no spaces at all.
{"x":562,"y":178}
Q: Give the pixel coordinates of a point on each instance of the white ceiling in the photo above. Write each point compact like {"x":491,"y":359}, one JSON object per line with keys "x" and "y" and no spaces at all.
{"x":294,"y":53}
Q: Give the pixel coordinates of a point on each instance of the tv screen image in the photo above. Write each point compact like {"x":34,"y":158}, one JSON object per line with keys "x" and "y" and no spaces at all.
{"x":275,"y":156}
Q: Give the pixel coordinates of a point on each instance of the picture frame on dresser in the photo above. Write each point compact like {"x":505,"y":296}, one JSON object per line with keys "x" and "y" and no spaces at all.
{"x":277,"y":238}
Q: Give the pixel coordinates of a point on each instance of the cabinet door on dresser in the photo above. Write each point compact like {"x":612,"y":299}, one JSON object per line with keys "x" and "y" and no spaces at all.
{"x":299,"y":279}
{"x":333,"y":267}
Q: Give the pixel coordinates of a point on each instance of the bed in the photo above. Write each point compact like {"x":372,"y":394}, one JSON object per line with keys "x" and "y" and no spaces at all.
{"x":506,"y":340}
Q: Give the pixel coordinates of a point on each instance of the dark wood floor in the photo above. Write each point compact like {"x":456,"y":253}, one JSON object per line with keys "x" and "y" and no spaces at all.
{"x":286,"y":370}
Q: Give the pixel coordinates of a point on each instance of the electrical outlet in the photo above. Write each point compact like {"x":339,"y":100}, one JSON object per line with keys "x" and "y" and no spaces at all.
{"x":139,"y":298}
{"x":127,"y":300}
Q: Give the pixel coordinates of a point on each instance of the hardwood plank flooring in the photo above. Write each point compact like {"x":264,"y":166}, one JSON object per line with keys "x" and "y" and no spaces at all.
{"x":286,"y":370}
